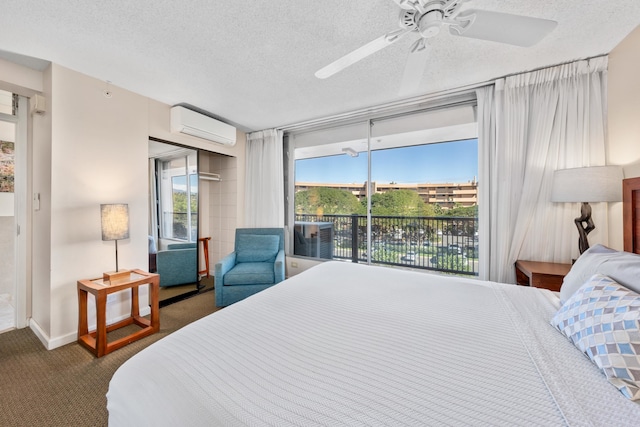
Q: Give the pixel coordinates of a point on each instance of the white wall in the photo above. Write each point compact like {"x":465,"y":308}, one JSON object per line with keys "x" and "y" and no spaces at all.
{"x":99,"y":155}
{"x":624,"y":120}
{"x":7,"y":206}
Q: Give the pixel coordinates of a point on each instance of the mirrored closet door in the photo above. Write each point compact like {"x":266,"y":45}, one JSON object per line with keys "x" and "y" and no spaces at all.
{"x":173,"y":219}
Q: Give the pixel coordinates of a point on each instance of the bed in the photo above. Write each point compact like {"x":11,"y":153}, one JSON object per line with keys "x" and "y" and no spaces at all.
{"x":358,"y":345}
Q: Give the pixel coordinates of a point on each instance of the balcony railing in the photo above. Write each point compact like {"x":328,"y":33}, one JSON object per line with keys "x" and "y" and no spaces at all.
{"x":446,"y":244}
{"x":176,"y":226}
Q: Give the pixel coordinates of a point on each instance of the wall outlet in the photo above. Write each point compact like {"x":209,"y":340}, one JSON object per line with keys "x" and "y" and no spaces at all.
{"x":294,"y":264}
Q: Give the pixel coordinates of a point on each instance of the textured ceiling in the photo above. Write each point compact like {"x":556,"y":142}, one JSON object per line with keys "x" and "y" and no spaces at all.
{"x":252,"y":63}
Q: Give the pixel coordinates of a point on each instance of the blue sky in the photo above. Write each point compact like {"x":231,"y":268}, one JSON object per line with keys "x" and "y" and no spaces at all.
{"x":455,"y":161}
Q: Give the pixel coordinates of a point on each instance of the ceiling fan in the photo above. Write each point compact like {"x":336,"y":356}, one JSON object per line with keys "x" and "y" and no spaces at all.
{"x":427,"y":17}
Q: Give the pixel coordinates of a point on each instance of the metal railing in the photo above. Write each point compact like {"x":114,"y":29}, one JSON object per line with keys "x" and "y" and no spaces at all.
{"x":176,"y":226}
{"x":446,"y":244}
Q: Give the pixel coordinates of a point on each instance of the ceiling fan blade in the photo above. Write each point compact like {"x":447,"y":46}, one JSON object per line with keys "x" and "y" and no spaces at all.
{"x":415,"y":67}
{"x":361,"y":53}
{"x":499,"y":27}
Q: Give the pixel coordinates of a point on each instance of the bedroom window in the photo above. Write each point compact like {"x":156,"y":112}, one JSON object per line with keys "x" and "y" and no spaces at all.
{"x":420,"y":208}
{"x":178,"y":198}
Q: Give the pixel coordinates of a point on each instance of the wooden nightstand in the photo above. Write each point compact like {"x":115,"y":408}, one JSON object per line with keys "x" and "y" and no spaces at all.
{"x":96,"y":341}
{"x":547,"y":275}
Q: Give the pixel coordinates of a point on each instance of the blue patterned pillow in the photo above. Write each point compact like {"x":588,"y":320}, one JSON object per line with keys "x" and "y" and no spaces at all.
{"x":602,"y":319}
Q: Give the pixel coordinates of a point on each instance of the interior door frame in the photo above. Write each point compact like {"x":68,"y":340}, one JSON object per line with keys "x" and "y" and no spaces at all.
{"x":22,"y":216}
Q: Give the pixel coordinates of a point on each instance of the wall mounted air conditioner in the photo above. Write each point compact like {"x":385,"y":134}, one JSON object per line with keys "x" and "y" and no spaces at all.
{"x":193,"y":123}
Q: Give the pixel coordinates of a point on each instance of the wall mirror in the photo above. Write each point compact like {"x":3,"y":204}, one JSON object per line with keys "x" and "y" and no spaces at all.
{"x":173,"y":219}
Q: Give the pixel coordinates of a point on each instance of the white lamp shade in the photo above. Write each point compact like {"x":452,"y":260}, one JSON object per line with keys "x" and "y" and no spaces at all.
{"x":115,"y":221}
{"x":588,"y":184}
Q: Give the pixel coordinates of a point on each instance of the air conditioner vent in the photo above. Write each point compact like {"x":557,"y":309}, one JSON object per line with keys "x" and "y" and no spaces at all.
{"x":196,"y":124}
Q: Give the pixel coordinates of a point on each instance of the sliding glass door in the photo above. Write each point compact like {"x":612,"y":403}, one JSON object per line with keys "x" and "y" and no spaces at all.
{"x":408,"y":199}
{"x":424,"y":208}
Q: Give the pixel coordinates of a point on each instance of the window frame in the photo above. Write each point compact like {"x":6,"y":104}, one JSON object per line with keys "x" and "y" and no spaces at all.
{"x":166,"y":188}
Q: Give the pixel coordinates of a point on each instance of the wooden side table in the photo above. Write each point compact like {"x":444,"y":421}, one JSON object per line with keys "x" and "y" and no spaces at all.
{"x":547,"y":275}
{"x":96,"y":341}
{"x":205,"y":251}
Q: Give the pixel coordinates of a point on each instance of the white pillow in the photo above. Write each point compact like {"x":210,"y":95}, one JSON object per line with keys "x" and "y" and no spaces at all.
{"x":623,"y":267}
{"x":584,"y":268}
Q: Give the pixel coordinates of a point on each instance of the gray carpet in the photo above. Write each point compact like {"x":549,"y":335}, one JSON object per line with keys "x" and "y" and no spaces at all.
{"x":67,"y":386}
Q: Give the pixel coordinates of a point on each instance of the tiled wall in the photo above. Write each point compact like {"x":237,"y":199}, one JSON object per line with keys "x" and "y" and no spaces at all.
{"x":218,"y":204}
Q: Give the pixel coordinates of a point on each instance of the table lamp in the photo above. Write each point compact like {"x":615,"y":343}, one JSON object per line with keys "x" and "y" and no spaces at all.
{"x":584,"y":185}
{"x":115,"y":226}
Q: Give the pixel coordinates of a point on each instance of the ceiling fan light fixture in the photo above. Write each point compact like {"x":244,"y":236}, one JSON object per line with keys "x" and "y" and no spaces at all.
{"x":430,"y":23}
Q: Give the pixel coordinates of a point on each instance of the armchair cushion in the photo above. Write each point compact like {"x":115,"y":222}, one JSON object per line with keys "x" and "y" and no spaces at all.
{"x":250,"y":273}
{"x":177,"y":266}
{"x":255,"y":248}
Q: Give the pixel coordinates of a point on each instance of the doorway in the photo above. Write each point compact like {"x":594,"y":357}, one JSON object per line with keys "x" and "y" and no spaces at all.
{"x":13,"y":211}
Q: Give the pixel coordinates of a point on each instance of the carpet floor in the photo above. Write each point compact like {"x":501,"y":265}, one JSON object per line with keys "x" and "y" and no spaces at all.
{"x":67,"y":386}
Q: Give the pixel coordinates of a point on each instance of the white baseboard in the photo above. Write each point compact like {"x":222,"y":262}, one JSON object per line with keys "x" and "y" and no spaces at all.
{"x":42,"y":336}
{"x":51,"y":343}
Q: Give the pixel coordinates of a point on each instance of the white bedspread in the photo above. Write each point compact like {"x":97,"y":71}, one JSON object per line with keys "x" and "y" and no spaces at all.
{"x":356,"y":345}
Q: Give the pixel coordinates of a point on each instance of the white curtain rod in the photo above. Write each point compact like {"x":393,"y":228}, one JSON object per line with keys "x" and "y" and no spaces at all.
{"x":410,"y":104}
{"x":208,"y":176}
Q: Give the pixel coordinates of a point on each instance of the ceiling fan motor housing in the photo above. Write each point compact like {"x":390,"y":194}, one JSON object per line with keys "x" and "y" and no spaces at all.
{"x":430,"y":23}
{"x":427,"y":17}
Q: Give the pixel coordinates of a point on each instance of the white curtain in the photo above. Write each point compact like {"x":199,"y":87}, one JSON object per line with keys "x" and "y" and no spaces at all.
{"x":264,"y":196}
{"x":530,"y":125}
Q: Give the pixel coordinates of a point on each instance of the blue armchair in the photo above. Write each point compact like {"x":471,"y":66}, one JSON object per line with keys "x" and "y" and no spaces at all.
{"x":178,"y":265}
{"x":256,"y":264}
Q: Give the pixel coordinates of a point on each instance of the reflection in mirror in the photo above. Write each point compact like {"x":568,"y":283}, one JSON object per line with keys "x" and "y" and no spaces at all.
{"x":178,"y":201}
{"x":173,"y":219}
